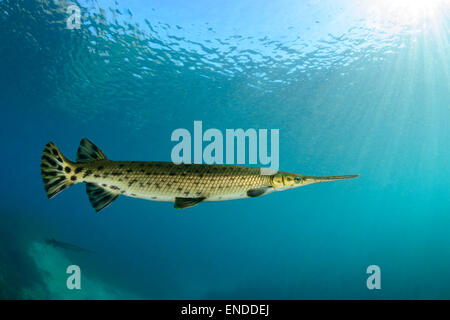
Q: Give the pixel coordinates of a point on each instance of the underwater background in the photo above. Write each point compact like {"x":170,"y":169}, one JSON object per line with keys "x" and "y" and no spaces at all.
{"x":355,"y":87}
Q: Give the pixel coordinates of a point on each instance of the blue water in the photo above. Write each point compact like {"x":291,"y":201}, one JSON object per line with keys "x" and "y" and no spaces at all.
{"x":353,"y":87}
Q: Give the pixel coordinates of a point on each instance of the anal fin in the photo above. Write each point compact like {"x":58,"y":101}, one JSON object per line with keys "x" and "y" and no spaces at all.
{"x":99,"y":197}
{"x":181,"y":203}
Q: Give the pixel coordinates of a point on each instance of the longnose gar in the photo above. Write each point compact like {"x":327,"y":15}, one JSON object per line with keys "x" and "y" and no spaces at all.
{"x":65,"y":245}
{"x":184,"y":184}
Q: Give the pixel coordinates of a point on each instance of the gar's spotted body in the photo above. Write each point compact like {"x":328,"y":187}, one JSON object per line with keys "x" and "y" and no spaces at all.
{"x":184,"y":184}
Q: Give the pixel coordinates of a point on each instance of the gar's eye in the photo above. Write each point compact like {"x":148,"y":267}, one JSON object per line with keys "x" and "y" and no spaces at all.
{"x":298,"y":179}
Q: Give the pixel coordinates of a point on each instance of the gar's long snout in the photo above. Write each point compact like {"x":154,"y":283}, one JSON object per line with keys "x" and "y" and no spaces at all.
{"x":314,"y":179}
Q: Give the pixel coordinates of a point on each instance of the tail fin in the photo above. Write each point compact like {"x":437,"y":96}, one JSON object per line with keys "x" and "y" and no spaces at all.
{"x":55,"y":170}
{"x":58,"y":173}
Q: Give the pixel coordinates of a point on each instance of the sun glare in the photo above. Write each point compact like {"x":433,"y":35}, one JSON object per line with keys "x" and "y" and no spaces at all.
{"x":406,"y":12}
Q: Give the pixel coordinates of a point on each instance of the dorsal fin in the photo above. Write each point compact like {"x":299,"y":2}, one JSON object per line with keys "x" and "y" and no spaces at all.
{"x":99,"y":197}
{"x":87,"y":151}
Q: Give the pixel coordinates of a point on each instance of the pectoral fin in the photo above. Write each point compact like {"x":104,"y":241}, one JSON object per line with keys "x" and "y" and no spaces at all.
{"x":181,"y":203}
{"x":257,"y":192}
